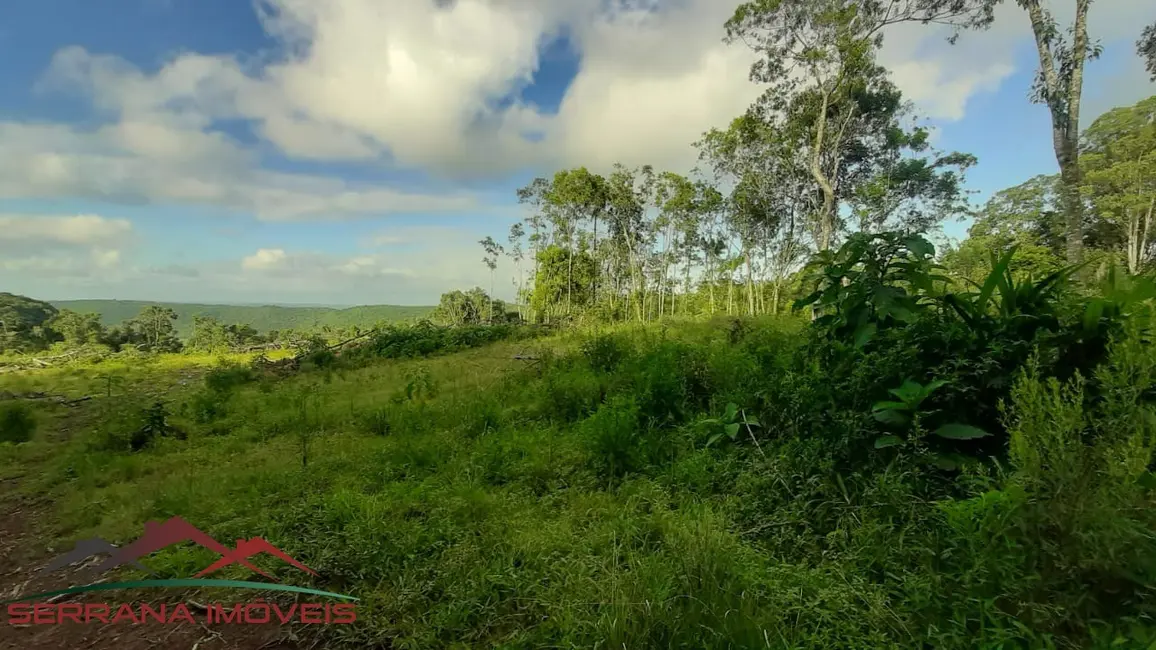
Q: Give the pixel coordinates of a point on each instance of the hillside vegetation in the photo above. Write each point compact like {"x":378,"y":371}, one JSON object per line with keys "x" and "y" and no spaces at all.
{"x":917,"y":467}
{"x":263,"y":318}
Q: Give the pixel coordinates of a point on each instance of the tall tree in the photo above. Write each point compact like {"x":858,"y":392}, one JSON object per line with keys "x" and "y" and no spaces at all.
{"x":493,"y":250}
{"x":535,"y":196}
{"x":155,"y":323}
{"x":817,"y":58}
{"x":576,"y":196}
{"x":517,"y":254}
{"x":1059,"y":85}
{"x":1119,"y":159}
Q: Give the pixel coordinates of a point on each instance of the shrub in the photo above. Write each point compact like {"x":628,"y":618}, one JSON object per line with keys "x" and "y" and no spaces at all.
{"x":613,"y":436}
{"x":604,"y":352}
{"x":227,"y":376}
{"x":17,"y":422}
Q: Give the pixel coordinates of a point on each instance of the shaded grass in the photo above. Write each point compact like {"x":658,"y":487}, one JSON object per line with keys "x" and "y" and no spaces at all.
{"x":474,"y":500}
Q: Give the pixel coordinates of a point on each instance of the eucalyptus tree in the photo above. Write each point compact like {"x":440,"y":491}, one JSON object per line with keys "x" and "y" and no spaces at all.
{"x":517,"y":254}
{"x":816,"y":59}
{"x":534,"y":196}
{"x":493,"y":250}
{"x":630,"y":234}
{"x":576,"y":196}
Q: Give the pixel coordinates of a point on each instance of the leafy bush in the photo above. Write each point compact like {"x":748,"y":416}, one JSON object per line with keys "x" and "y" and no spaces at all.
{"x":604,"y":352}
{"x":227,"y":376}
{"x":426,"y":339}
{"x":886,"y":322}
{"x":17,"y":422}
{"x":614,"y":433}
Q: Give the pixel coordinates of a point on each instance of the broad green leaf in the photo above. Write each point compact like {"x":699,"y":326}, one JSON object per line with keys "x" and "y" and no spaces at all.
{"x":908,"y":392}
{"x":887,"y":441}
{"x":1092,"y":314}
{"x":1147,"y":480}
{"x":957,"y":431}
{"x":994,"y":278}
{"x":731,"y":410}
{"x":930,"y":388}
{"x":888,"y":416}
{"x":750,"y":421}
{"x":733,"y":430}
{"x":919,"y":246}
{"x":945,"y":463}
{"x":899,"y":406}
{"x":864,"y":334}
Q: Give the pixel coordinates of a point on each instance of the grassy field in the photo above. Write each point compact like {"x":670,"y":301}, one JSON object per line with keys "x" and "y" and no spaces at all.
{"x":597,"y":497}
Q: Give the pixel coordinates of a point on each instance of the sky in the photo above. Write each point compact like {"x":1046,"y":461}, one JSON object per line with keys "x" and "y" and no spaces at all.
{"x":355,"y":151}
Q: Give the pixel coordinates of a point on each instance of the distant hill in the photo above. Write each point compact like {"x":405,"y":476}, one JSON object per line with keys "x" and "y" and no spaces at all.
{"x":262,"y":318}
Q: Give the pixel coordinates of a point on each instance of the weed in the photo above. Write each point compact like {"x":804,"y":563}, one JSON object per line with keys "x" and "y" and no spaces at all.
{"x":17,"y":422}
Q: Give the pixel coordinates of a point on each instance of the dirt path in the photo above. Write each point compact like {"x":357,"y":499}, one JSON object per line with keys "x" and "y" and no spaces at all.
{"x":24,"y":550}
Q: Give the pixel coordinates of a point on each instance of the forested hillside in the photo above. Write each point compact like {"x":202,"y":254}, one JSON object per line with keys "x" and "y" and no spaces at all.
{"x":261,"y":318}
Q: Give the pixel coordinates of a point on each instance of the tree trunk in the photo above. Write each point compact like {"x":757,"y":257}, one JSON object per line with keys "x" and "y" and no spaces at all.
{"x":1065,"y":113}
{"x":750,"y":282}
{"x":826,"y":227}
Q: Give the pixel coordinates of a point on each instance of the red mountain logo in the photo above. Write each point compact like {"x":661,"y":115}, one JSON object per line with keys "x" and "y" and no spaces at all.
{"x":159,"y":535}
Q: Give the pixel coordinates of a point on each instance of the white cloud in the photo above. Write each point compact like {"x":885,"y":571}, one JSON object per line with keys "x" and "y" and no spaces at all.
{"x":163,"y":161}
{"x":265,"y":259}
{"x":417,"y":85}
{"x":79,"y":230}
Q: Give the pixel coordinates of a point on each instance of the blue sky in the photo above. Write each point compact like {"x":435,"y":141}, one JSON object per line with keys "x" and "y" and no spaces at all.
{"x":354,"y":151}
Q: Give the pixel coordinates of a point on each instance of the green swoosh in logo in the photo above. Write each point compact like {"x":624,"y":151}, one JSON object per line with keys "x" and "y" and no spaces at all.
{"x":187,"y":582}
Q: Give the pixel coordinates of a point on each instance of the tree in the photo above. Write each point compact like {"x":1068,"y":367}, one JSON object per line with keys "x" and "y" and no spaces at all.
{"x":155,"y":324}
{"x":517,"y":254}
{"x":575,"y":196}
{"x":1119,"y":159}
{"x":1146,"y":48}
{"x":467,"y":307}
{"x":22,"y":321}
{"x":1029,"y":217}
{"x":833,"y":110}
{"x":76,"y":328}
{"x":565,"y":280}
{"x":1059,"y":85}
{"x":493,"y":251}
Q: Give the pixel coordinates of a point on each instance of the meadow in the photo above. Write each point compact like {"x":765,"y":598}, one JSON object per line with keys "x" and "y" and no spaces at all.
{"x":693,"y":483}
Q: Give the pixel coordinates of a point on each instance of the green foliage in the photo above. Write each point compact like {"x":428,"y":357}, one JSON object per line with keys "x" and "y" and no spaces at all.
{"x":732,"y":422}
{"x":472,"y":307}
{"x":425,"y":339}
{"x":872,"y":282}
{"x":17,"y":422}
{"x":605,"y":352}
{"x":23,"y":322}
{"x":264,"y":318}
{"x":227,"y":376}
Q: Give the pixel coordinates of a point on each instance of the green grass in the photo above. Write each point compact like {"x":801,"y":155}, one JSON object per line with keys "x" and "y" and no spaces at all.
{"x":474,"y":500}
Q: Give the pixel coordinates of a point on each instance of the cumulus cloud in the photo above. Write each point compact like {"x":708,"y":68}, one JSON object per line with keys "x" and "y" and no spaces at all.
{"x":162,"y":160}
{"x":81,"y":230}
{"x":429,"y":85}
{"x":265,"y":259}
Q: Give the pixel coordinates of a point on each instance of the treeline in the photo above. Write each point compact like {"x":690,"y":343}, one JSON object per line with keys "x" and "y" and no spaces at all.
{"x":28,"y":325}
{"x":831,"y":149}
{"x":263,"y":318}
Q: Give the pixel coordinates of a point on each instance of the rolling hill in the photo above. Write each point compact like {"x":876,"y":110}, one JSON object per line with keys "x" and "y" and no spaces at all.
{"x":262,"y":318}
